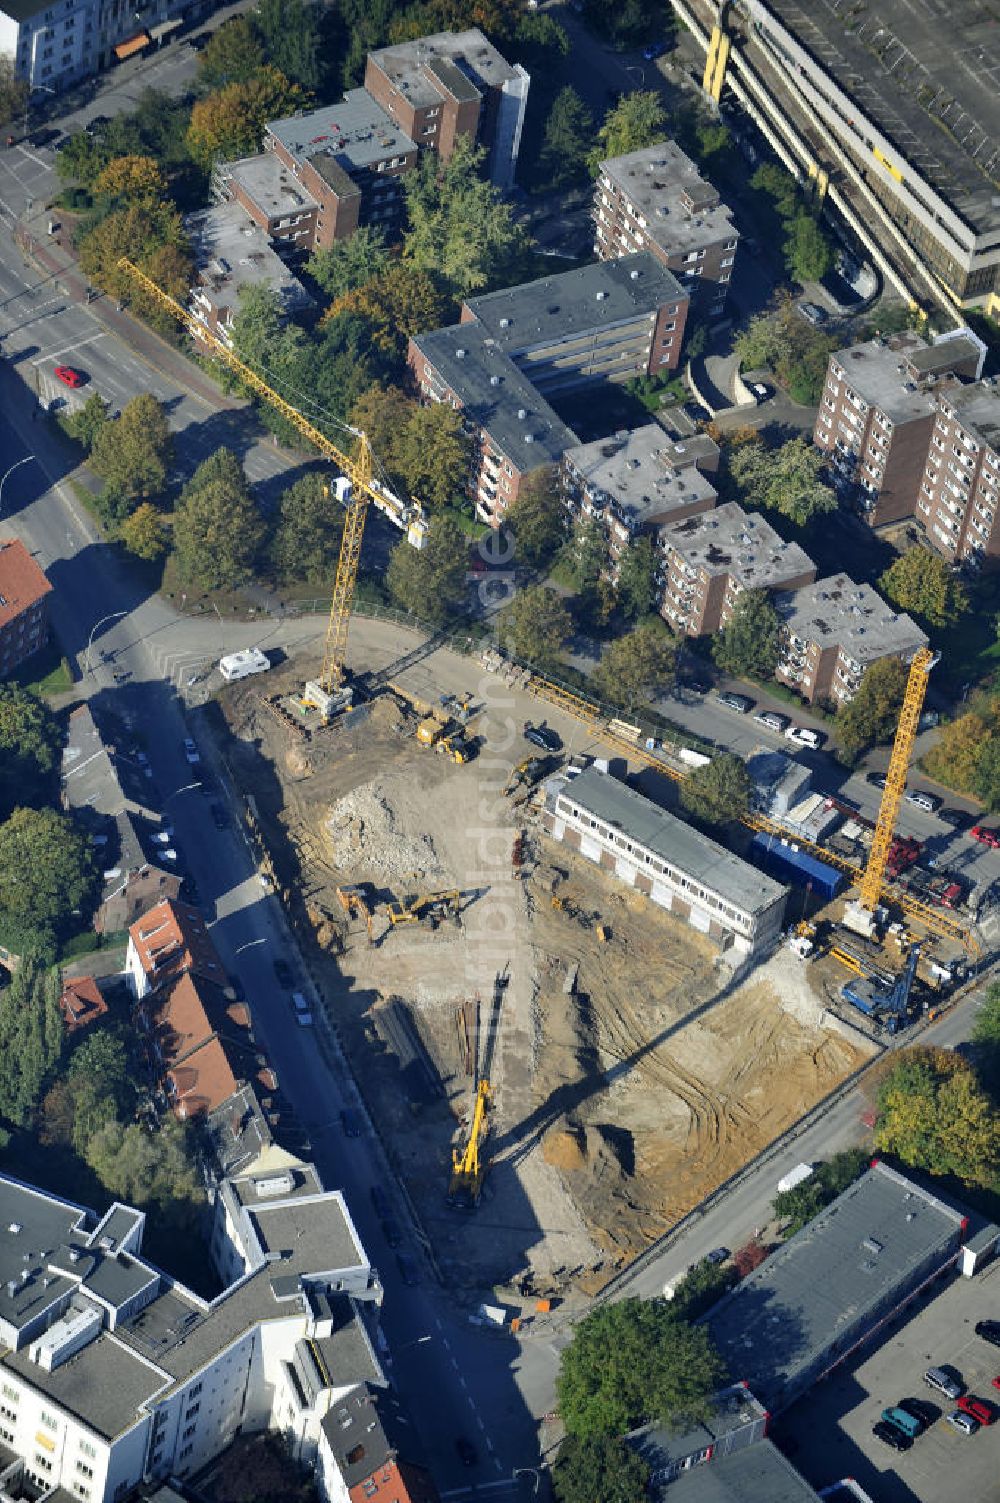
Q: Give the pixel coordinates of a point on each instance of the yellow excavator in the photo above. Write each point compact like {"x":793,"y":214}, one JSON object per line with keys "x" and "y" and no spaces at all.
{"x":355,"y":903}
{"x":468,"y":1166}
{"x":427,"y":905}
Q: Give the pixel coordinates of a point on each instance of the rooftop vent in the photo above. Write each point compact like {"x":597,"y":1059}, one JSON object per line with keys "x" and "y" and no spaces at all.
{"x":633,"y":276}
{"x":459,"y":354}
{"x":601,"y":296}
{"x":505,"y":323}
{"x":872,"y":1245}
{"x":14,"y":1228}
{"x":529,"y":438}
{"x":522,"y":413}
{"x":494,"y":380}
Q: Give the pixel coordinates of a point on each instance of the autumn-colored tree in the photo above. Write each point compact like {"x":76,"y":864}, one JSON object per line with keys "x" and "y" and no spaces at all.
{"x":382,"y":414}
{"x":399,"y":302}
{"x":934,"y":1115}
{"x":954,"y":757}
{"x":134,"y":179}
{"x":230,"y":122}
{"x":144,"y":533}
{"x":748,"y":1257}
{"x":151,"y":235}
{"x":922,"y":581}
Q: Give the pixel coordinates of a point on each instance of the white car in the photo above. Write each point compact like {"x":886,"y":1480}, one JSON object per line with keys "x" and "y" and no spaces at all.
{"x":803,"y":735}
{"x":191,"y":751}
{"x":164,"y":836}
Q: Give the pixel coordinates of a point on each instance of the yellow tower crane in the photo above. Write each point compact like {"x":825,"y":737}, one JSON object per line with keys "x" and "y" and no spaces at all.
{"x":468,"y":1168}
{"x":860,"y":915}
{"x":328,"y":693}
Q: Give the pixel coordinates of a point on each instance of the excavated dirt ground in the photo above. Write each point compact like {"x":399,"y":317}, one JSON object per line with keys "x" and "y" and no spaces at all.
{"x":623,"y":1092}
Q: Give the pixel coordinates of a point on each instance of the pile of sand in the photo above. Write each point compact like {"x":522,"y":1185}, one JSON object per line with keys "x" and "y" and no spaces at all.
{"x":364,"y":840}
{"x":565,"y":1147}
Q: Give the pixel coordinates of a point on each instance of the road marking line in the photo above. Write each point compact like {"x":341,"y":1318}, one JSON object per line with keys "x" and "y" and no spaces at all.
{"x":57,"y":354}
{"x":480,"y":1422}
{"x":462,"y":1382}
{"x":489,"y":1444}
{"x":444,"y":1340}
{"x":437,"y":1322}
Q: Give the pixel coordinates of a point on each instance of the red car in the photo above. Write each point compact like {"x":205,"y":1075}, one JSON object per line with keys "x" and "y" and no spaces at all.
{"x":996,"y":1382}
{"x":69,"y":377}
{"x":986,"y":836}
{"x":979,"y":1410}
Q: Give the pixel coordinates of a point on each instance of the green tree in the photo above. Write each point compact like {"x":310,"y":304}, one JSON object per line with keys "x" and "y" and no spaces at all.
{"x":290,"y":32}
{"x":957,"y":751}
{"x":779,"y":185}
{"x":749,"y":645}
{"x":701,"y":1288}
{"x":986,"y":1038}
{"x":460,"y":227}
{"x":306,"y":542}
{"x":538,"y":518}
{"x":627,"y":23}
{"x":262,"y":337}
{"x":88,"y":421}
{"x":145,"y":533}
{"x":233,"y":55}
{"x":535,"y":625}
{"x":986,"y":780}
{"x":632,"y":1362}
{"x":46,"y":870}
{"x":350,"y":263}
{"x":637,"y":120}
{"x":719,"y":792}
{"x":430,"y":581}
{"x":31,"y":1038}
{"x":397,"y":303}
{"x":31,"y":741}
{"x":784,"y":343}
{"x":637,"y":668}
{"x":585,"y":554}
{"x":934,"y":1115}
{"x":788,"y":480}
{"x":140,"y":1168}
{"x":807,"y":250}
{"x":800,"y":1204}
{"x":433,"y":453}
{"x":94,"y":1090}
{"x":133,"y":454}
{"x":873,"y":714}
{"x":922,"y":583}
{"x":567,"y":142}
{"x":218,"y":530}
{"x":230,"y":122}
{"x":638,"y":590}
{"x":601,"y":1467}
{"x":13,"y":90}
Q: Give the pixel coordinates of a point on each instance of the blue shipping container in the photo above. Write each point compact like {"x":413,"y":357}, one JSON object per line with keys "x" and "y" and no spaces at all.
{"x":792,"y":864}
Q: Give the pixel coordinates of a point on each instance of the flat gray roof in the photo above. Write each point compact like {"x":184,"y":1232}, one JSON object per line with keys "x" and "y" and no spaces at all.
{"x":838,"y":612}
{"x":822,"y":1283}
{"x":643,"y":474}
{"x":661,"y":1445}
{"x":412,"y":66}
{"x":231,"y":251}
{"x":742,"y":544}
{"x":252,"y":1189}
{"x":674,"y":841}
{"x":757,"y":1474}
{"x":558,"y":308}
{"x":977,"y":408}
{"x":265,"y":179}
{"x":540,"y":437}
{"x":34,"y":1229}
{"x":356,"y":133}
{"x":888,"y":372}
{"x":103,"y":1385}
{"x":346,"y":1353}
{"x":681,"y":209}
{"x":927,"y":77}
{"x":315,"y":1233}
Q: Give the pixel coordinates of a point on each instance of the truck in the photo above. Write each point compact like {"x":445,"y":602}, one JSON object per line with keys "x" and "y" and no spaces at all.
{"x":794,"y":1177}
{"x":242,"y":664}
{"x":942,"y":889}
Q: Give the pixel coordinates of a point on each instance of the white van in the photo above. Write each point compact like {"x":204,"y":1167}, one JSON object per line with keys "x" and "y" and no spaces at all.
{"x":242,"y":664}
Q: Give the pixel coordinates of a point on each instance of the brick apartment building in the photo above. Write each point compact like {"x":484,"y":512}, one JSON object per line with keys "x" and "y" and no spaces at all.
{"x":656,"y":200}
{"x":439,"y":88}
{"x":513,"y":351}
{"x":24,"y":592}
{"x":710,"y":560}
{"x":957,"y":503}
{"x":832,"y":631}
{"x":636,"y":481}
{"x":877,"y":412}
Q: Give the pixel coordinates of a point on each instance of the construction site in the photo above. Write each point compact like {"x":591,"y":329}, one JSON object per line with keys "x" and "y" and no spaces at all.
{"x":628,"y":1076}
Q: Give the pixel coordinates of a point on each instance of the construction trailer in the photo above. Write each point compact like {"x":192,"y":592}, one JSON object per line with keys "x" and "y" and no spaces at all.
{"x":787,"y":861}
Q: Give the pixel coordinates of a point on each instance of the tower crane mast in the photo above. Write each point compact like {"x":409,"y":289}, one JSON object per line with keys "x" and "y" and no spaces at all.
{"x":358,"y":469}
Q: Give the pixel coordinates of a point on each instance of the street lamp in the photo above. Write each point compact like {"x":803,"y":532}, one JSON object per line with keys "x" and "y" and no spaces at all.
{"x":417,"y":1341}
{"x":17,"y":464}
{"x":249,"y":945}
{"x":527,"y":1471}
{"x":186,"y":789}
{"x":114,"y":616}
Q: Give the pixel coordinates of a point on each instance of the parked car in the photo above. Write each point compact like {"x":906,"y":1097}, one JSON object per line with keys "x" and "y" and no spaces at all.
{"x":191,"y":752}
{"x":542,"y":736}
{"x":957,"y":818}
{"x":392,"y":1232}
{"x":199,"y":43}
{"x":303,"y":1013}
{"x":352,"y":1122}
{"x":942,"y":1382}
{"x":929,"y":802}
{"x":44,"y":137}
{"x":804,"y":735}
{"x":979,"y":1410}
{"x":910,"y":1424}
{"x":717,"y":1255}
{"x":813,"y":312}
{"x":772,"y":720}
{"x":220,"y":817}
{"x":698,"y":686}
{"x":890,"y":1436}
{"x":381,"y":1201}
{"x":98,"y":123}
{"x":759,"y":391}
{"x":926,"y":1414}
{"x":69,"y":377}
{"x":190,"y":892}
{"x":697,"y":413}
{"x":283,"y":972}
{"x":163,"y":836}
{"x":877,"y":779}
{"x":995,"y":1382}
{"x":409,"y":1270}
{"x":467,"y":1453}
{"x":741,"y":703}
{"x":653,"y":50}
{"x":989,"y":1330}
{"x":963,"y":1422}
{"x":986,"y":836}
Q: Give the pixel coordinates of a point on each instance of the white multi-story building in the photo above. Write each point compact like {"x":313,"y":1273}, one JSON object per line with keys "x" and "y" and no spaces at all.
{"x":56,"y":42}
{"x":112,"y":1374}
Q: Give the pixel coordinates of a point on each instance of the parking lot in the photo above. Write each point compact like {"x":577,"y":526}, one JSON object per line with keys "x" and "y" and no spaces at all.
{"x":828,"y":1434}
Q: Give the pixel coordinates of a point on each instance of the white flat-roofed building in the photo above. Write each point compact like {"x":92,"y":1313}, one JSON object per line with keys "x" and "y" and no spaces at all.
{"x":664,"y":857}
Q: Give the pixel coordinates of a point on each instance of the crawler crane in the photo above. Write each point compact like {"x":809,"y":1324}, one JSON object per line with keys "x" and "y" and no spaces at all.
{"x":329,"y":693}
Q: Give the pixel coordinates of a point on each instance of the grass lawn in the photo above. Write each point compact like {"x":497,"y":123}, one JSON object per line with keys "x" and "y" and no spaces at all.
{"x":45,"y":672}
